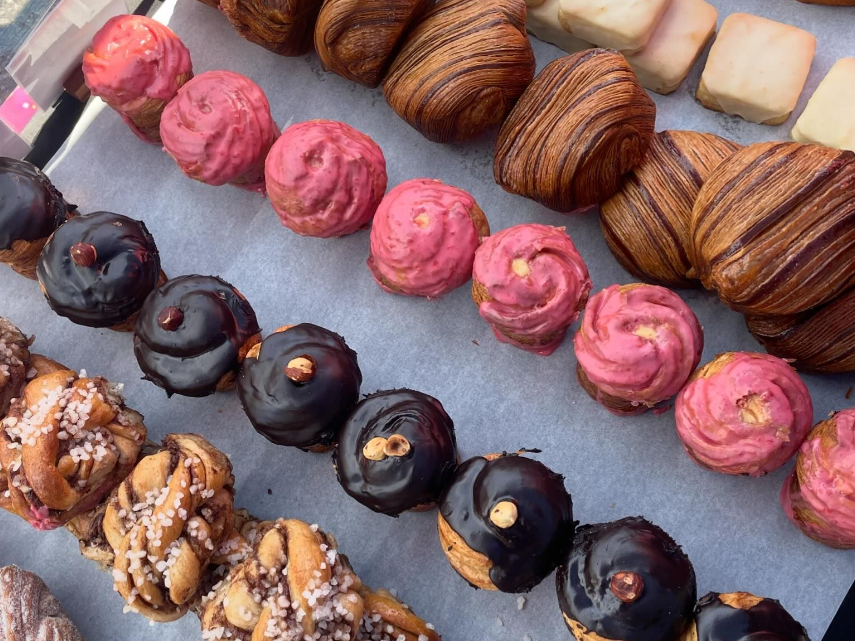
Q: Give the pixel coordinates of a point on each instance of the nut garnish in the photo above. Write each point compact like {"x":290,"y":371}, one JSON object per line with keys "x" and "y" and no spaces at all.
{"x":520,"y":267}
{"x":378,"y":448}
{"x":627,"y":586}
{"x":373,"y":449}
{"x":504,"y":514}
{"x":83,"y":254}
{"x":752,"y":410}
{"x":397,"y":446}
{"x":170,"y":318}
{"x":301,"y":369}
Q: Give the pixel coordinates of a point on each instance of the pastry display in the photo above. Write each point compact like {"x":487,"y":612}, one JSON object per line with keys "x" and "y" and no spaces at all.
{"x":137,"y":65}
{"x":14,"y":363}
{"x":396,"y":452}
{"x":740,"y":615}
{"x":756,"y":69}
{"x":98,"y":269}
{"x":530,"y":285}
{"x":325,"y":178}
{"x":219,"y":130}
{"x":299,"y":385}
{"x":505,"y":522}
{"x":637,"y":346}
{"x":543,"y":23}
{"x":424,"y":237}
{"x":582,"y":124}
{"x":819,"y":496}
{"x":743,"y":413}
{"x":462,"y":68}
{"x":64,"y":445}
{"x":31,"y":209}
{"x":28,"y":610}
{"x":647,"y":224}
{"x":626,"y":581}
{"x":357,"y":39}
{"x":613,"y":24}
{"x":192,"y":335}
{"x":283,"y":27}
{"x":827,"y":119}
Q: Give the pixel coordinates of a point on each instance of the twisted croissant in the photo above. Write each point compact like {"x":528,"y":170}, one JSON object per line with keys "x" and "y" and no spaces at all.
{"x":14,"y":363}
{"x":29,"y":612}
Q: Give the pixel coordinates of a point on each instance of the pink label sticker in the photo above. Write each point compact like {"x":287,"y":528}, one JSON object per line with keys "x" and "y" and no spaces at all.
{"x":18,"y":110}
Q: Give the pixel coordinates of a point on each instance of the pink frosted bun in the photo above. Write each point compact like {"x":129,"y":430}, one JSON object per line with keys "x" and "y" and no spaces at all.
{"x":637,"y":346}
{"x":219,"y":130}
{"x":819,"y":496}
{"x":325,"y":178}
{"x":424,"y":237}
{"x":530,"y":284}
{"x":744,"y":413}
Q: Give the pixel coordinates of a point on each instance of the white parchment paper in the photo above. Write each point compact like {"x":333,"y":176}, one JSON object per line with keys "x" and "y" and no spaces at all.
{"x":501,"y":398}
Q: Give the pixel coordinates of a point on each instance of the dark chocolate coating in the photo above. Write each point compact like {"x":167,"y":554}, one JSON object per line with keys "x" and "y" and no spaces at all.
{"x":30,"y":206}
{"x":664,"y":608}
{"x":190,"y":361}
{"x":525,"y":553}
{"x":300,"y":414}
{"x":766,"y":621}
{"x":397,"y":484}
{"x":113,"y":288}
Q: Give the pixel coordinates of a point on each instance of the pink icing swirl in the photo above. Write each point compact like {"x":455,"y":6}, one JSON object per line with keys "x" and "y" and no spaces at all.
{"x":819,"y":496}
{"x":219,"y":130}
{"x":744,"y":414}
{"x":638,"y":343}
{"x":325,"y":178}
{"x":424,"y":238}
{"x":537,"y":283}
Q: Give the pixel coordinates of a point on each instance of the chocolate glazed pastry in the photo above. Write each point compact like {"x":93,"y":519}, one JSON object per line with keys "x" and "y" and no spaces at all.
{"x":298,"y":386}
{"x":505,"y":522}
{"x":31,"y":209}
{"x":98,"y":269}
{"x":193,"y":333}
{"x":396,"y":452}
{"x":740,"y":616}
{"x":627,"y":581}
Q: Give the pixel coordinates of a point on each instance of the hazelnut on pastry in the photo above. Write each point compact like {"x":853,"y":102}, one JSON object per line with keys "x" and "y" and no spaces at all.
{"x":637,"y":346}
{"x":741,"y":615}
{"x":743,"y":413}
{"x":396,"y":452}
{"x":580,"y":126}
{"x":424,"y":237}
{"x":64,"y":445}
{"x":505,"y":522}
{"x":647,"y":223}
{"x":281,"y":26}
{"x":530,"y":285}
{"x":136,"y":65}
{"x":626,"y":581}
{"x":819,"y":495}
{"x":28,"y":610}
{"x":192,"y":335}
{"x":218,"y":129}
{"x":299,"y":385}
{"x":31,"y":209}
{"x":461,"y":68}
{"x":14,"y":363}
{"x":357,"y":39}
{"x":325,"y":178}
{"x":98,"y":269}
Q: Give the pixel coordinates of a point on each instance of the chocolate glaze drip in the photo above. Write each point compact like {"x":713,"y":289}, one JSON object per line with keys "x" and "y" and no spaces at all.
{"x":765,"y":621}
{"x":397,"y":483}
{"x":526,"y":552}
{"x":307,"y":413}
{"x":190,"y":360}
{"x":632,"y":544}
{"x":30,"y":206}
{"x":113,"y":288}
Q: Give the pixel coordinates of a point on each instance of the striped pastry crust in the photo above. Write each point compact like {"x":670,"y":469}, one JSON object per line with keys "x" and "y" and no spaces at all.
{"x":285,"y":27}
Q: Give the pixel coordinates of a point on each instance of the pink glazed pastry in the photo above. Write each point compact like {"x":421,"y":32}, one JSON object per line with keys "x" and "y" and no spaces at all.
{"x":744,"y":413}
{"x":136,"y":65}
{"x":637,"y":347}
{"x":325,"y":178}
{"x":819,"y":496}
{"x":530,"y":284}
{"x":424,"y":238}
{"x":219,"y":130}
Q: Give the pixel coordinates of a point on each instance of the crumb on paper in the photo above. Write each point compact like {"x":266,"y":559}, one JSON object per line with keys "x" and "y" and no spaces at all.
{"x":499,"y":622}
{"x":476,"y":342}
{"x":520,"y":602}
{"x":269,"y":491}
{"x":849,"y":393}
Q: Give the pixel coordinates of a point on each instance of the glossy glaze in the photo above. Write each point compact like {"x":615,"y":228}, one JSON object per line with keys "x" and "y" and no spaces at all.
{"x":31,"y":208}
{"x":765,"y":621}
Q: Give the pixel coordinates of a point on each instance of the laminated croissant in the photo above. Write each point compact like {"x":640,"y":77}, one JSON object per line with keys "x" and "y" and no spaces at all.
{"x":14,"y":363}
{"x":281,"y":26}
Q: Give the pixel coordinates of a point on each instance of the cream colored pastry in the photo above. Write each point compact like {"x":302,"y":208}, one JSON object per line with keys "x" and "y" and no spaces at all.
{"x":829,"y":118}
{"x":676,"y":44}
{"x":756,"y":69}
{"x":542,"y":22}
{"x":614,"y":24}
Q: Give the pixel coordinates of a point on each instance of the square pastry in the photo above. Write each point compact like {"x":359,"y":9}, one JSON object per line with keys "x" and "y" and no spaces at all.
{"x":756,"y":69}
{"x":542,"y":22}
{"x":676,"y":44}
{"x":829,"y":118}
{"x":625,"y":25}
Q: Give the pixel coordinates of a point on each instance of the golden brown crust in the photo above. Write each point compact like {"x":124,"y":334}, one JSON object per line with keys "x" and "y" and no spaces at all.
{"x":740,"y":600}
{"x":285,"y":27}
{"x":613,"y":403}
{"x":471,"y":565}
{"x":229,"y":379}
{"x":23,"y":256}
{"x":393,"y":614}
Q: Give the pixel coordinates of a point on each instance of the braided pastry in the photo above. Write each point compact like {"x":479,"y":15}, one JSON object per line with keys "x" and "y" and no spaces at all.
{"x":14,"y":363}
{"x":29,"y":612}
